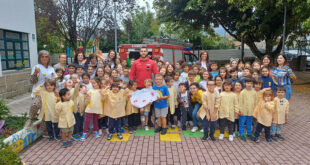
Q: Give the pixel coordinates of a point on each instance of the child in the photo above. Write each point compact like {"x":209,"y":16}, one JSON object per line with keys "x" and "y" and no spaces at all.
{"x":268,"y":82}
{"x":256,"y":65}
{"x":234,"y":63}
{"x":248,"y":65}
{"x":146,"y":110}
{"x":75,"y":79}
{"x":214,"y":70}
{"x":196,"y":69}
{"x":71,"y":70}
{"x":170,"y":70}
{"x":91,"y":71}
{"x":107,"y":69}
{"x":191,"y":79}
{"x":234,"y":75}
{"x":228,"y":67}
{"x":177,"y":81}
{"x":93,"y":109}
{"x":280,"y":115}
{"x":219,"y":84}
{"x":184,"y":75}
{"x":228,"y":110}
{"x":114,"y":74}
{"x":125,"y":75}
{"x":114,"y":107}
{"x":258,"y":84}
{"x":206,"y":75}
{"x":107,"y":77}
{"x":209,"y":113}
{"x":178,"y":66}
{"x":60,"y":79}
{"x":47,"y":113}
{"x":223,"y":73}
{"x":240,"y":69}
{"x":263,"y":114}
{"x":172,"y":101}
{"x":246,"y":73}
{"x":237,"y":86}
{"x":184,"y":100}
{"x":79,"y":71}
{"x":80,"y":103}
{"x":255,"y":74}
{"x":64,"y":110}
{"x":132,"y":111}
{"x":103,"y":120}
{"x":86,"y":82}
{"x":197,"y":101}
{"x":248,"y":101}
{"x":161,"y":105}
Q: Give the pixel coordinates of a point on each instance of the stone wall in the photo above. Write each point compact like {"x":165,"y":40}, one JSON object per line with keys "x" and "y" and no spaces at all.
{"x":15,"y":82}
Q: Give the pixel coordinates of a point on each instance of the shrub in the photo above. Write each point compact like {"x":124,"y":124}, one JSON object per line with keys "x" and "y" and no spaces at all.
{"x":4,"y":110}
{"x":8,"y":156}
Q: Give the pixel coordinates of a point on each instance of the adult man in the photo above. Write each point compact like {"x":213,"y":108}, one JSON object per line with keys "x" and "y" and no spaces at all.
{"x":142,"y":69}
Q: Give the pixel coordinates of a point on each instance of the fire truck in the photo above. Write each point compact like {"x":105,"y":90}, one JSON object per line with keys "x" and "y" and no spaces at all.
{"x":171,"y":51}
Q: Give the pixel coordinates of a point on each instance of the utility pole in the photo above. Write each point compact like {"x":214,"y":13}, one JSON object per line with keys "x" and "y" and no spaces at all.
{"x":115,"y":26}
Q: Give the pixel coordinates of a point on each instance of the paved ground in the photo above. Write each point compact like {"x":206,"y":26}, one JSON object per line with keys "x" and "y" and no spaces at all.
{"x":19,"y":105}
{"x":150,"y":150}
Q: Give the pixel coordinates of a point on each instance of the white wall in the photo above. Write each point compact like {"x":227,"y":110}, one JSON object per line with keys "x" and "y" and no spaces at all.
{"x":18,"y":15}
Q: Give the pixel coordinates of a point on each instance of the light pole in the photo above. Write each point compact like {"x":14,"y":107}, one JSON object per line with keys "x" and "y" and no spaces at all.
{"x":115,"y":26}
{"x":284,"y":27}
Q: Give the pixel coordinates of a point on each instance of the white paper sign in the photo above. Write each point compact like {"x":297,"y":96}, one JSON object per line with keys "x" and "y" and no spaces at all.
{"x":143,"y":97}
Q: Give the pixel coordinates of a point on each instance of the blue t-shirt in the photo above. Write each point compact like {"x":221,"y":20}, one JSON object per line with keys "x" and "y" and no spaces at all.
{"x":163,"y":91}
{"x":214,"y":74}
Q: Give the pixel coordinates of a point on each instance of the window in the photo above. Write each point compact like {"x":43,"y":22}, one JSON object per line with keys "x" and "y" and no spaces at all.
{"x":14,"y":49}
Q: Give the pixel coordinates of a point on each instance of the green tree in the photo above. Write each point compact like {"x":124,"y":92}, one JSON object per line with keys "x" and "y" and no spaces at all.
{"x":255,"y":20}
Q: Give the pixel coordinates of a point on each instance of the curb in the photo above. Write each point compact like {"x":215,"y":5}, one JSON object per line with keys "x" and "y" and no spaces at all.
{"x":23,"y":138}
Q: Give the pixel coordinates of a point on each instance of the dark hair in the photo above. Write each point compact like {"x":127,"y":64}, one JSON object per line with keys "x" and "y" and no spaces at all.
{"x":131,"y":83}
{"x":72,"y":65}
{"x":97,"y":71}
{"x":115,"y":84}
{"x":238,"y":81}
{"x":168,"y":78}
{"x":270,"y":59}
{"x":281,"y":88}
{"x":114,"y":59}
{"x":117,"y":79}
{"x":248,"y":79}
{"x":182,"y":84}
{"x":250,"y":70}
{"x":143,"y":47}
{"x":195,"y":84}
{"x":91,"y":56}
{"x":185,"y":65}
{"x":81,"y":86}
{"x":192,"y":73}
{"x":264,"y":67}
{"x":285,"y":58}
{"x":227,"y":82}
{"x":180,"y":62}
{"x":233,"y":70}
{"x":62,"y":76}
{"x":202,"y":52}
{"x":213,"y":63}
{"x":85,"y":74}
{"x":98,"y":81}
{"x":167,"y":73}
{"x":212,"y":81}
{"x":259,"y":81}
{"x":203,"y":71}
{"x":51,"y":82}
{"x":62,"y":93}
{"x":76,"y":57}
{"x":255,"y":70}
{"x":79,"y":66}
{"x":217,"y":77}
{"x":223,"y":68}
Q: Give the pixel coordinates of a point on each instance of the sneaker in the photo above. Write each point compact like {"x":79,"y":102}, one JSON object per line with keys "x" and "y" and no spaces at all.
{"x":204,"y":138}
{"x":221,"y":137}
{"x":274,"y":138}
{"x":251,"y":137}
{"x":150,"y":123}
{"x":268,"y":140}
{"x":69,"y":143}
{"x":212,"y":138}
{"x":100,"y":132}
{"x":50,"y":139}
{"x":173,"y":127}
{"x":194,"y":129}
{"x":58,"y":138}
{"x":64,"y":145}
{"x":243,"y":138}
{"x":130,"y":129}
{"x":146,"y":128}
{"x":83,"y":137}
{"x":164,"y":131}
{"x":184,"y":127}
{"x":96,"y":134}
{"x":256,"y":140}
{"x":158,"y":129}
{"x":114,"y":130}
{"x":201,"y":130}
{"x":119,"y":135}
{"x":179,"y":124}
{"x":231,"y":138}
{"x":110,"y":136}
{"x":121,"y":130}
{"x":142,"y":118}
{"x":280,"y":137}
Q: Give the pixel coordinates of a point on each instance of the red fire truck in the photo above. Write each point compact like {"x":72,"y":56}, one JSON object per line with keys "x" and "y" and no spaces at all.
{"x":162,"y":51}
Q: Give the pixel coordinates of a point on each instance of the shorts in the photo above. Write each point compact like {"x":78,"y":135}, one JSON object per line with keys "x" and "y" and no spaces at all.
{"x":66,"y":130}
{"x":146,"y":113}
{"x":161,"y":112}
{"x":147,"y":108}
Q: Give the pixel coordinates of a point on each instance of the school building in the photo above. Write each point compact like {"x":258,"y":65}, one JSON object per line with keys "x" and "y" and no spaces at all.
{"x":18,"y":46}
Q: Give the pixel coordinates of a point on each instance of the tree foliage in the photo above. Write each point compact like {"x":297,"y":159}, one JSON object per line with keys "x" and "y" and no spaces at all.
{"x":255,"y":20}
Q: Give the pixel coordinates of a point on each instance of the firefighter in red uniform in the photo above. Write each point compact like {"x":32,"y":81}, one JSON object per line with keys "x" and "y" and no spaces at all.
{"x":142,"y":69}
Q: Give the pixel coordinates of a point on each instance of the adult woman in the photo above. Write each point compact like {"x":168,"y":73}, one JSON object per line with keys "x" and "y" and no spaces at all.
{"x":282,"y":75}
{"x":93,"y":61}
{"x":204,"y":60}
{"x":62,"y":64}
{"x":80,"y":59}
{"x":266,"y":61}
{"x":39,"y":74}
{"x":111,"y":59}
{"x":100,"y":72}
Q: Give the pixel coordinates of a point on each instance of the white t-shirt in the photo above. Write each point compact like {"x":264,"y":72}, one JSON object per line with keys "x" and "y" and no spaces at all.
{"x":45,"y":74}
{"x":184,"y":97}
{"x":204,"y":65}
{"x":183,"y":77}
